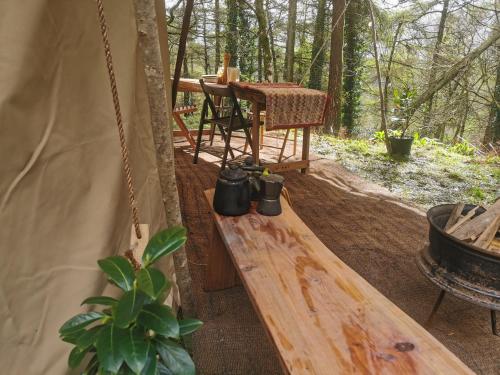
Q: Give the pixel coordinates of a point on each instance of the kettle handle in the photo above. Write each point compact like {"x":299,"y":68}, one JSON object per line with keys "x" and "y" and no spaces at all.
{"x":242,"y":191}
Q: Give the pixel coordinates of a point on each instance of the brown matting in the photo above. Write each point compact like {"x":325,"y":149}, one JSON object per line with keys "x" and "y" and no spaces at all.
{"x":373,"y":234}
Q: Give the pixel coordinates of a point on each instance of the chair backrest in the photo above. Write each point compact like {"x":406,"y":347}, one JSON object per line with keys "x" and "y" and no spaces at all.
{"x":224,"y":91}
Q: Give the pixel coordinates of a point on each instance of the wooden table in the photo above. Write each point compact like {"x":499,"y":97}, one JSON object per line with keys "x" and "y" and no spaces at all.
{"x":322,"y":317}
{"x":258,"y":104}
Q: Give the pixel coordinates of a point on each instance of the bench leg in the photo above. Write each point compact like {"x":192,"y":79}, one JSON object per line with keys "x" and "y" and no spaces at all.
{"x":220,"y":272}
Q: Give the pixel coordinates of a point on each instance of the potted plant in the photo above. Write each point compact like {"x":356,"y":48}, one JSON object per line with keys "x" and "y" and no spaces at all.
{"x":400,"y":144}
{"x":136,"y":333}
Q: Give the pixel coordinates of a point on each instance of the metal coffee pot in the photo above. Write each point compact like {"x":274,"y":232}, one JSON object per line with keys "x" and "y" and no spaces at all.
{"x":270,"y":191}
{"x":232,"y":192}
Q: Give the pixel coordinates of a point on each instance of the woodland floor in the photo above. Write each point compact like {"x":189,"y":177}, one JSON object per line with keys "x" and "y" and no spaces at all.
{"x":363,"y":224}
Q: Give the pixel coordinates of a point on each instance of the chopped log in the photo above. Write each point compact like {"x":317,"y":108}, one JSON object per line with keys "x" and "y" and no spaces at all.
{"x":462,"y":220}
{"x":489,"y":233}
{"x":455,"y":215}
{"x":477,"y":225}
{"x":495,"y":245}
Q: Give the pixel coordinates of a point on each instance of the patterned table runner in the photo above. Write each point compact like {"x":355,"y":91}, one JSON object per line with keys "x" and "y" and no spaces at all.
{"x":289,"y":105}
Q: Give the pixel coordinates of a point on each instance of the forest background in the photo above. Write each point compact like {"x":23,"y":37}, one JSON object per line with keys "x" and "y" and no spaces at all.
{"x":439,"y":64}
{"x":418,"y":41}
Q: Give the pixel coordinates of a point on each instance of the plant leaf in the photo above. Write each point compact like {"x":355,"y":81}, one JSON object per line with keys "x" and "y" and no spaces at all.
{"x":99,"y":300}
{"x":188,"y":326}
{"x":88,"y":338}
{"x":92,"y":366}
{"x":119,"y":271}
{"x":72,"y":338}
{"x":108,"y":351}
{"x":129,"y":307}
{"x":134,"y":350}
{"x":152,"y":282}
{"x":160,"y":319}
{"x":79,"y":322}
{"x":175,"y":357}
{"x":163,"y":243}
{"x":162,"y":370}
{"x":76,"y":356}
{"x":151,"y":366}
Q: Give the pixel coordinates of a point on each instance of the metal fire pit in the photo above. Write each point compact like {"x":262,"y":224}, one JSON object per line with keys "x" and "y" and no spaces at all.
{"x":458,"y":267}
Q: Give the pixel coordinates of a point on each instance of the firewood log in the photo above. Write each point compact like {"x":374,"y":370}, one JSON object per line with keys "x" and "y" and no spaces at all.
{"x":477,"y":225}
{"x":454,"y":216}
{"x":489,"y":233}
{"x":461,"y":221}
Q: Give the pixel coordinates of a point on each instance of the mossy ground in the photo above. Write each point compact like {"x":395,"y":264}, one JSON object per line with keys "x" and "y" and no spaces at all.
{"x":433,"y":174}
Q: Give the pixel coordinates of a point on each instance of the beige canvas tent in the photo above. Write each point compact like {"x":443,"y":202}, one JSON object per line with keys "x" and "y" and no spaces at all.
{"x":63,"y":201}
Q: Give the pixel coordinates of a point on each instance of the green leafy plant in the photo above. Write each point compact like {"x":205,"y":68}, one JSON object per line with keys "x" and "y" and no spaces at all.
{"x":463,"y":148}
{"x":419,"y":141}
{"x":379,"y":136}
{"x":358,"y":146}
{"x":137,"y":333}
{"x":402,"y":99}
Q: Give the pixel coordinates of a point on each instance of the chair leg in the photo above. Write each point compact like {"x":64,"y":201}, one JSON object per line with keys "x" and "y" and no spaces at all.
{"x":227,"y":148}
{"x":184,"y":129}
{"x":284,"y":145}
{"x":212,"y":134}
{"x":224,"y":137}
{"x":198,"y":142}
{"x":248,"y":139}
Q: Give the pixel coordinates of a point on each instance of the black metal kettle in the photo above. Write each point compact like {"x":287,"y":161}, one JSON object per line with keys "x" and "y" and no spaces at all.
{"x":232,"y":192}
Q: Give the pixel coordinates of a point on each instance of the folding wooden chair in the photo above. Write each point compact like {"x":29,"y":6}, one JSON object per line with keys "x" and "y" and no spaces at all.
{"x":178,"y":111}
{"x":225,"y":123}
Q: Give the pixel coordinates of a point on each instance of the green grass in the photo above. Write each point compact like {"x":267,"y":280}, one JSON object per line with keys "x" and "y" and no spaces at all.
{"x":434,"y":173}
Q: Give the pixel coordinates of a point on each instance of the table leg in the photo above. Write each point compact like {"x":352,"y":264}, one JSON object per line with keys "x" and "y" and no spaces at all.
{"x":255,"y":132}
{"x":306,"y":138}
{"x":220,"y":272}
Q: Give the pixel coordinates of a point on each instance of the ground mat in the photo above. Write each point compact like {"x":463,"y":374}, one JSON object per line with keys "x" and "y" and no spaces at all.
{"x":373,"y":234}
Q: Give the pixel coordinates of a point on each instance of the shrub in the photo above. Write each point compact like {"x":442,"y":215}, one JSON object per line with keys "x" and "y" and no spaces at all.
{"x":477,"y":193}
{"x":358,"y":146}
{"x":379,"y":136}
{"x":137,"y":333}
{"x":463,"y":148}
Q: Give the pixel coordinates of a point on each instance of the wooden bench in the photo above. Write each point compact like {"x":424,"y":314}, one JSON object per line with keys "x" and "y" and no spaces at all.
{"x":322,"y":317}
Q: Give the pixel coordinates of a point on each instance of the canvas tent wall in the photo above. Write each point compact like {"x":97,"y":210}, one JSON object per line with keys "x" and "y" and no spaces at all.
{"x":63,"y":201}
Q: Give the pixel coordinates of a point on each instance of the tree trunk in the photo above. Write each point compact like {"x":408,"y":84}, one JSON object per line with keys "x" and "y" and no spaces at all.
{"x":271,"y":42}
{"x":232,"y":31}
{"x":217,"y":36}
{"x":302,"y":41}
{"x":463,"y":119}
{"x":153,"y":41}
{"x":318,"y":50}
{"x":246,"y":44}
{"x":290,"y":41}
{"x":186,"y":21}
{"x":205,"y":46}
{"x":435,"y":61}
{"x":334,"y":111}
{"x":379,"y":78}
{"x":452,"y":72}
{"x":185,"y":73}
{"x":259,"y":61}
{"x":264,"y":39}
{"x":387,"y":80}
{"x":354,"y":51}
{"x":492,"y":131}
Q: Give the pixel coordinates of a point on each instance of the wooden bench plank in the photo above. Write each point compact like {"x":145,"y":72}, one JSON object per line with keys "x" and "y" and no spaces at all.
{"x":321,"y":315}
